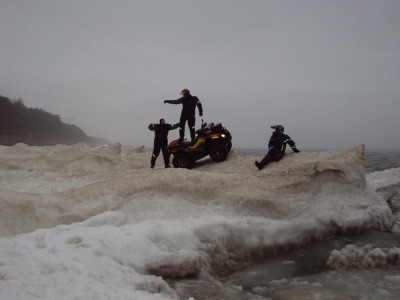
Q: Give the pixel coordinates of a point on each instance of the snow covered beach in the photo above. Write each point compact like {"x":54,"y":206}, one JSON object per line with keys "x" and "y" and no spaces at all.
{"x":80,"y":222}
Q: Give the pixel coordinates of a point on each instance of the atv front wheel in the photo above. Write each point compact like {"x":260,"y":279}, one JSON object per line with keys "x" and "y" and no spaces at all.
{"x":229,"y":146}
{"x":182,"y":160}
{"x":218,"y":152}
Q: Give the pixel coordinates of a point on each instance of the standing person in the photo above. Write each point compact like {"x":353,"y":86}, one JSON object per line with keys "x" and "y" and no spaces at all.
{"x":188,"y":113}
{"x":276,"y":146}
{"x":161,"y":141}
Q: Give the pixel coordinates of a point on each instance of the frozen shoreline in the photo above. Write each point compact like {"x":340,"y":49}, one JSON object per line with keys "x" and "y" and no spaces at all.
{"x":101,"y":214}
{"x":302,"y":273}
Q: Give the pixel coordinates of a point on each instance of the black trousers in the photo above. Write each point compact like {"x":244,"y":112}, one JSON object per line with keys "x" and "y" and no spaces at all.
{"x":156,"y":151}
{"x":182,"y":123}
{"x":271,"y":157}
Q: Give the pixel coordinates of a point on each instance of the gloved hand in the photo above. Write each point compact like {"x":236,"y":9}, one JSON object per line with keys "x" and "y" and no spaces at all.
{"x":295,"y":150}
{"x":165,"y":101}
{"x":201,"y":114}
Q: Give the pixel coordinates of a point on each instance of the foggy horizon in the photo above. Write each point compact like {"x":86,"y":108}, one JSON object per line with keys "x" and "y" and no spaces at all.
{"x":327,"y":71}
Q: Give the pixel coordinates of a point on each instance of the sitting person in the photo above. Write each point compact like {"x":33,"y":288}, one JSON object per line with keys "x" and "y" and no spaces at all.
{"x":276,"y":147}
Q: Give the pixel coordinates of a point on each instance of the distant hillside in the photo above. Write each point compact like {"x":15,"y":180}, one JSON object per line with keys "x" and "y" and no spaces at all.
{"x":34,"y":126}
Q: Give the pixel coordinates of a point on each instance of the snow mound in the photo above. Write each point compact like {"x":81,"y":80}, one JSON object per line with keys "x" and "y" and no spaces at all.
{"x":64,"y":184}
{"x":101,"y":216}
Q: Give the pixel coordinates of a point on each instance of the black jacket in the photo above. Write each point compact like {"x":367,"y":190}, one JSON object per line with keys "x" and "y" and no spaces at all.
{"x":161,"y":132}
{"x":189,"y":104}
{"x":278,"y":141}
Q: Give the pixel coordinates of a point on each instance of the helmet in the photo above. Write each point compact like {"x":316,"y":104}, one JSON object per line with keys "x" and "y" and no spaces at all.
{"x":184,"y":92}
{"x":162,"y":121}
{"x":278,"y":128}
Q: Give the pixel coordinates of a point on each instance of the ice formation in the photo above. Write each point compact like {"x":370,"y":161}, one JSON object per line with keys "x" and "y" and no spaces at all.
{"x":365,"y":257}
{"x":98,"y":223}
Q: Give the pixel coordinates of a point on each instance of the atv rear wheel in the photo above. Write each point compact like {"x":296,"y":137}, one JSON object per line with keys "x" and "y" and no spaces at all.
{"x":182,"y":160}
{"x":218,"y":152}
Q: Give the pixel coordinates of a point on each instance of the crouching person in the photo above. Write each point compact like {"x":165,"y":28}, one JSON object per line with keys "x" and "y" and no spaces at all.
{"x":276,"y":146}
{"x":161,"y":141}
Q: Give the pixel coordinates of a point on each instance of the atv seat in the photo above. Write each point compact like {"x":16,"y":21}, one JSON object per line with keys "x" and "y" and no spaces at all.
{"x":216,"y":128}
{"x":205,"y":130}
{"x":184,"y":143}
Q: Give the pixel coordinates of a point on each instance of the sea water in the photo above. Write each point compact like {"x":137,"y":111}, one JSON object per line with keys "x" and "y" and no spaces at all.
{"x":303,"y":273}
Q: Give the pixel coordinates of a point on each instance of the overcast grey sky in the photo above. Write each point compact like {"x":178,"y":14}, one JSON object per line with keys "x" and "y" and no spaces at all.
{"x":329,"y":71}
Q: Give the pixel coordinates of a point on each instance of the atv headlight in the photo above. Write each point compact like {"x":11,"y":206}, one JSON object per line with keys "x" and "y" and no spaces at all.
{"x":223,"y":135}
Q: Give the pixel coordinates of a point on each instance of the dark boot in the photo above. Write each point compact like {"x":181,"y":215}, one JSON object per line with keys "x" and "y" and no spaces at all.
{"x":258,"y":165}
{"x":152,"y":161}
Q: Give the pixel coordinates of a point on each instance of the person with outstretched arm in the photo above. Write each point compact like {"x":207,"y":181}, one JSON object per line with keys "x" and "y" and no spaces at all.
{"x":188,"y":113}
{"x":161,"y":131}
{"x":276,"y":146}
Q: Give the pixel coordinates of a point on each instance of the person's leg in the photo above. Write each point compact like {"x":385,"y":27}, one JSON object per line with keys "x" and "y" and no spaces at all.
{"x":165,"y":155}
{"x":277,"y":156}
{"x":263,"y":162}
{"x":268,"y":158}
{"x":182,"y":123}
{"x":191,"y":123}
{"x":156,"y":152}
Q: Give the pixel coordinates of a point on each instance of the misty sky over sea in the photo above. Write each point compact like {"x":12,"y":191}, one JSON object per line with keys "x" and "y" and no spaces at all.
{"x":329,"y":71}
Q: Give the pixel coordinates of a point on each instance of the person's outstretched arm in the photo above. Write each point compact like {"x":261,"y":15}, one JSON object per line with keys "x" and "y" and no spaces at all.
{"x":175,"y":126}
{"x":178,"y":101}
{"x":172,"y":127}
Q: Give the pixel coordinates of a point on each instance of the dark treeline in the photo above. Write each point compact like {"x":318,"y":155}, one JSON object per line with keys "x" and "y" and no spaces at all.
{"x":34,"y":126}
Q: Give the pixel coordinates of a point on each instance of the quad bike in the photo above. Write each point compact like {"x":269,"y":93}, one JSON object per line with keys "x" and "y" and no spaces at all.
{"x":212,"y":139}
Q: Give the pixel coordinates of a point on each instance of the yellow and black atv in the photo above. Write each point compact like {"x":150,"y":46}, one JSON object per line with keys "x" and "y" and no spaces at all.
{"x":212,"y":139}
